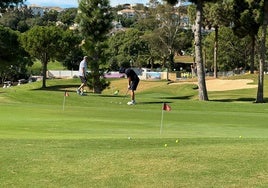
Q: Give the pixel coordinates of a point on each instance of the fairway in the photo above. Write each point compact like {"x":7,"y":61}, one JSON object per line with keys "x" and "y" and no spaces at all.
{"x":99,"y":141}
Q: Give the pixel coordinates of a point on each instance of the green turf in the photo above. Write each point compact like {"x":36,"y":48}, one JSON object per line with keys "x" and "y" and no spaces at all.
{"x":98,"y":142}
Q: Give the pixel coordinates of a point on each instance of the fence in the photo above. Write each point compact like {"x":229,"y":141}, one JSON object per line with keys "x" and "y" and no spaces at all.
{"x":144,"y":74}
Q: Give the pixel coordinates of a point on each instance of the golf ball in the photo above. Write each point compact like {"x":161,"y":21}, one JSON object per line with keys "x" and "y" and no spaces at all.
{"x":165,"y":145}
{"x":119,"y":102}
{"x":177,"y":141}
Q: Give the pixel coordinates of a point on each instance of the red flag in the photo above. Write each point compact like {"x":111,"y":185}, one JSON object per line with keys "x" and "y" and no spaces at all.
{"x":166,"y":107}
{"x":66,"y":94}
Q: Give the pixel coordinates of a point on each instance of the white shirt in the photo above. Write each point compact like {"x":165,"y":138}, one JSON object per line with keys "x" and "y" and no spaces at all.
{"x":82,"y":68}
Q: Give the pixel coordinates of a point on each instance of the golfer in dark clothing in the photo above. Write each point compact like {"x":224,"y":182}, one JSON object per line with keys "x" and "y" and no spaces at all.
{"x":133,"y":81}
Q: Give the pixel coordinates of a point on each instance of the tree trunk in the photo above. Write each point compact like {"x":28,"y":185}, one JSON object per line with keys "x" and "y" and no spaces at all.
{"x":97,"y":86}
{"x":95,"y":68}
{"x":260,"y":98}
{"x":44,"y":69}
{"x":252,"y":54}
{"x":216,"y":52}
{"x":198,"y":53}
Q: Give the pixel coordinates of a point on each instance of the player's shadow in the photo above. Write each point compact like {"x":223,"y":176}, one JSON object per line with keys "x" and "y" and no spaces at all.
{"x":71,"y":88}
{"x":58,"y":87}
{"x":154,"y":102}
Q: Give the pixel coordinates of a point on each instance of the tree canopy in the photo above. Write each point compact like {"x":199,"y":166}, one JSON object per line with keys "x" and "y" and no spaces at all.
{"x":47,"y":43}
{"x":13,"y":59}
{"x":7,"y":3}
{"x":95,"y":22}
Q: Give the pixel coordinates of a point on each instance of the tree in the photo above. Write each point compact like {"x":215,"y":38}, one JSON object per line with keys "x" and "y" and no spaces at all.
{"x":167,"y":31}
{"x":217,"y":15}
{"x":149,"y":21}
{"x":232,"y":50}
{"x":7,"y":3}
{"x":164,"y":33}
{"x":13,"y":59}
{"x":67,"y":16}
{"x":264,"y":14}
{"x":128,"y":48}
{"x":47,"y":43}
{"x":134,"y":47}
{"x":127,"y":22}
{"x":198,"y":52}
{"x":155,"y":48}
{"x":202,"y":89}
{"x":16,"y":19}
{"x":95,"y":20}
{"x":50,"y":17}
{"x":246,"y":22}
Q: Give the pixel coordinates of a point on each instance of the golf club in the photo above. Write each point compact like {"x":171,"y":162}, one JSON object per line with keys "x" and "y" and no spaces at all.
{"x":124,"y":97}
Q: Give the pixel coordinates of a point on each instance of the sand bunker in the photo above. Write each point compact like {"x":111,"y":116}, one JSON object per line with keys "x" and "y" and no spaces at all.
{"x":224,"y":85}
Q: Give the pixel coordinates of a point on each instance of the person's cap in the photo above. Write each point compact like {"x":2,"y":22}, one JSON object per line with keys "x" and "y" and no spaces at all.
{"x":122,"y":70}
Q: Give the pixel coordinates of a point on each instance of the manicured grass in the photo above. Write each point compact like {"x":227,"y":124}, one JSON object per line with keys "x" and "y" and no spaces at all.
{"x":98,"y":142}
{"x":36,"y":68}
{"x":185,"y":59}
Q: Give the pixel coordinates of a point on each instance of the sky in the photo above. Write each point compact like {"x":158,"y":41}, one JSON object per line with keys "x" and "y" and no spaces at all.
{"x":74,"y":3}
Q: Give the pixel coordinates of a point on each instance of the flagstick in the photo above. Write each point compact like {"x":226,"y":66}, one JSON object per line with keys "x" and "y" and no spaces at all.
{"x":161,"y":126}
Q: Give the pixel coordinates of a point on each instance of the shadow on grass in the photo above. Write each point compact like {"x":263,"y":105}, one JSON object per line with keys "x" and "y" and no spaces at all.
{"x":112,"y":96}
{"x":253,"y":100}
{"x":155,"y":102}
{"x":178,"y":97}
{"x":123,"y":97}
{"x":60,"y":88}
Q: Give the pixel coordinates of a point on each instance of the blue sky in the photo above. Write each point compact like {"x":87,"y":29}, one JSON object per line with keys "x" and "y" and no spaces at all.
{"x":74,"y":3}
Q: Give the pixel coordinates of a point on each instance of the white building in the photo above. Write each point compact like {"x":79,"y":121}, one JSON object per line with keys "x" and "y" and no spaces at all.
{"x":128,"y":13}
{"x":39,"y":10}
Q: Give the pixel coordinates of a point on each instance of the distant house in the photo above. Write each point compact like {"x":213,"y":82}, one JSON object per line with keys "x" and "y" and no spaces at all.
{"x":130,"y":11}
{"x":40,"y":10}
{"x":127,"y":13}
